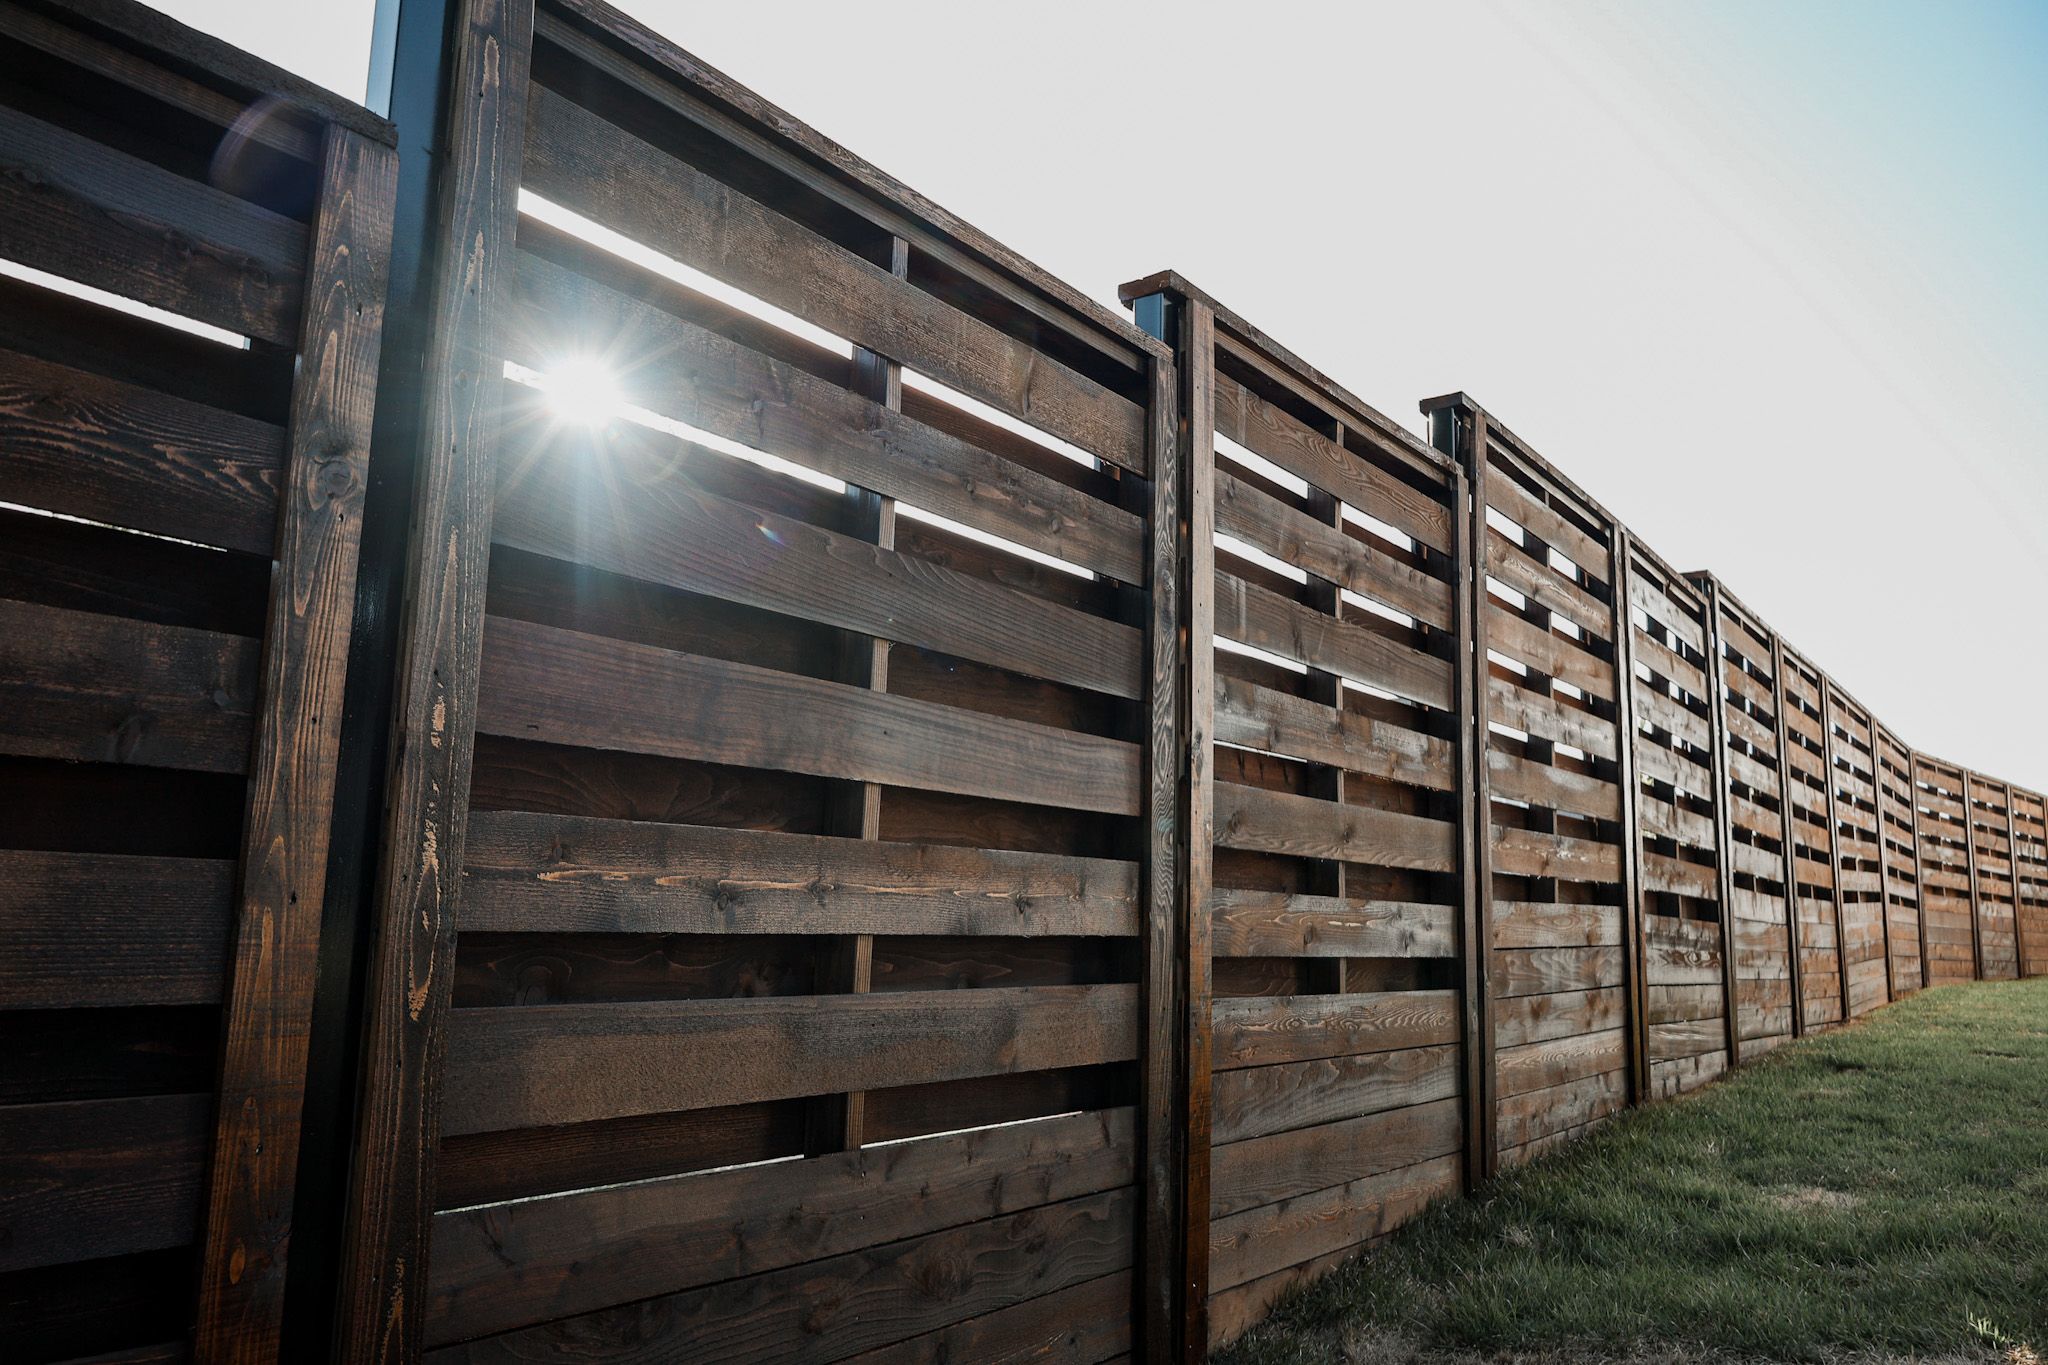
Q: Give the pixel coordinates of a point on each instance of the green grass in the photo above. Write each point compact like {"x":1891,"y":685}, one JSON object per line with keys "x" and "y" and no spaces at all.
{"x":1877,"y":1190}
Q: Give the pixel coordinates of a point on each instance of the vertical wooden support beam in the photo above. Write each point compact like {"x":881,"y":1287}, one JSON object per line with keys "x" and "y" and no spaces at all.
{"x":267,"y":1019}
{"x":1970,"y":852}
{"x":1919,"y":864}
{"x":1789,"y":841}
{"x":1884,"y":862}
{"x":1724,"y":799}
{"x":1458,"y":429}
{"x":1173,"y":1279}
{"x":1828,"y":707}
{"x":2012,"y":860}
{"x":838,"y":1123}
{"x":1631,"y":827}
{"x":474,"y":214}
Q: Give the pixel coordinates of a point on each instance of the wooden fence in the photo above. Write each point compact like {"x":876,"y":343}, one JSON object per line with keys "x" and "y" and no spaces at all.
{"x":755,"y":778}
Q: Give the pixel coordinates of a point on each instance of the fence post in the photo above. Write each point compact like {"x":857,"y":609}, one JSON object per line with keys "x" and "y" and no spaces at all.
{"x":1631,"y":831}
{"x":1829,"y":704}
{"x":1970,"y":852}
{"x":1724,"y":830}
{"x":1884,"y":882}
{"x":1174,"y":1275}
{"x":469,"y":66}
{"x":1789,"y":843}
{"x":1457,"y":427}
{"x":2012,"y":858}
{"x":1919,"y":863}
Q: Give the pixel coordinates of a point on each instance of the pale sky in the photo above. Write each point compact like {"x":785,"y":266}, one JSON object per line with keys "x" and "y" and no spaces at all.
{"x":1768,"y":278}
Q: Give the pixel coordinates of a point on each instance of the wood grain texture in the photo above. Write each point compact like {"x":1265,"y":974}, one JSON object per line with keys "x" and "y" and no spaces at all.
{"x":85,"y":929}
{"x":533,"y":1065}
{"x":269,"y":1006}
{"x":565,"y":687}
{"x":68,"y":205}
{"x":379,"y":1314}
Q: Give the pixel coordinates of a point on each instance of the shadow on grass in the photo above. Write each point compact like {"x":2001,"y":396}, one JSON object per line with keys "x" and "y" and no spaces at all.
{"x":1875,"y":1192}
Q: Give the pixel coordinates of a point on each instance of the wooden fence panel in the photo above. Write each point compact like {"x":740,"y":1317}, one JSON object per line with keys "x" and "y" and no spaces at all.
{"x":1898,"y":804}
{"x":180,"y":511}
{"x":1992,"y":871}
{"x":1336,"y":915}
{"x":2030,"y":880}
{"x":1678,"y":811}
{"x":1810,"y":809}
{"x":812,"y":811}
{"x":1559,"y":865}
{"x":1860,"y":896}
{"x":1949,"y":939}
{"x":1760,"y":858}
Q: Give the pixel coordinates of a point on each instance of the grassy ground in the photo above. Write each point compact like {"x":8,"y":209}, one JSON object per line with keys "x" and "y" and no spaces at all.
{"x":1878,"y":1192}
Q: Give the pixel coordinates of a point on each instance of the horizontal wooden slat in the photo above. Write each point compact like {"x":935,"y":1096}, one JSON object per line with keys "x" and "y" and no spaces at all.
{"x":1262,"y":618}
{"x":1266,"y":1170}
{"x":1547,"y":652}
{"x":1533,"y":1018}
{"x":655,"y":524}
{"x":1255,"y":717}
{"x":1264,"y":1240}
{"x":537,"y":873}
{"x":1542,"y":971}
{"x":826,"y":1310}
{"x":71,"y":206}
{"x":1304,"y":827}
{"x":564,"y":687}
{"x":1545,"y":586}
{"x":1276,"y":924}
{"x":106,"y":689}
{"x":1534,"y":853}
{"x":95,"y":1178}
{"x":690,"y":374}
{"x":1540,"y":784}
{"x":1266,"y":431}
{"x":1559,"y":1061}
{"x":83,"y":929}
{"x":1534,"y":924}
{"x":1254,"y":1100}
{"x":574,"y":157}
{"x":1517,"y":504}
{"x":504,"y":1266}
{"x":1549,"y":718}
{"x":1328,"y":552}
{"x":533,"y":1065}
{"x":102,"y":450}
{"x":1261,"y":1031}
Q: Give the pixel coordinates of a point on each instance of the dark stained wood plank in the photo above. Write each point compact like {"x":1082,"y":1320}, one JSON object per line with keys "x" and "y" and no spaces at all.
{"x":1277,"y":924}
{"x":1086,"y":1324}
{"x":1329,"y":552}
{"x":687,"y":373}
{"x":1264,"y":619}
{"x":526,"y":1066}
{"x":1305,"y":827}
{"x":98,"y":1178}
{"x":69,"y":206}
{"x":81,"y":929}
{"x":649,"y":522}
{"x":1256,"y":717}
{"x":1263,"y":1240}
{"x":1265,"y":430}
{"x":410,"y":969}
{"x":1300,"y":1161}
{"x":105,"y":689}
{"x":505,"y":1266}
{"x":1257,"y":1031}
{"x":575,"y":157}
{"x":828,"y":1309}
{"x":280,"y":901}
{"x":96,"y":448}
{"x":1253,"y":1101}
{"x":540,"y":873}
{"x":564,"y":687}
{"x":1535,"y":853}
